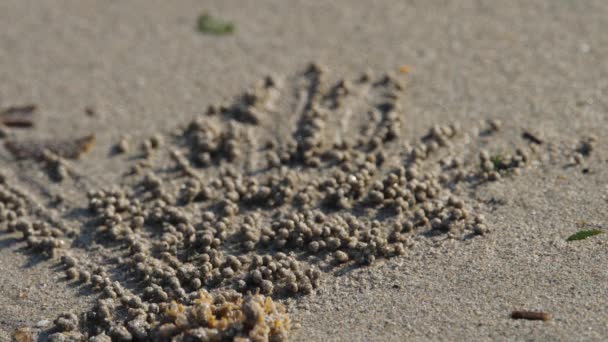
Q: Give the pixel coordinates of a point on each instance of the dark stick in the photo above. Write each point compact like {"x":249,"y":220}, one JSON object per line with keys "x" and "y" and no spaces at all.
{"x":531,"y":315}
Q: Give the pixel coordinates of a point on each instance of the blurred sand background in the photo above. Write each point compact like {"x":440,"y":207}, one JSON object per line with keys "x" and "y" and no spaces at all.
{"x":539,"y":64}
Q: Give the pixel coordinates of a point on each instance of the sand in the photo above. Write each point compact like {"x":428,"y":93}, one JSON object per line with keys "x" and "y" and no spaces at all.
{"x":144,"y":69}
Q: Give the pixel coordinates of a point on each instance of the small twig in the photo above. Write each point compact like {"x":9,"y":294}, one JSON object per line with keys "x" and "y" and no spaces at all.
{"x":531,"y":315}
{"x":532,"y":137}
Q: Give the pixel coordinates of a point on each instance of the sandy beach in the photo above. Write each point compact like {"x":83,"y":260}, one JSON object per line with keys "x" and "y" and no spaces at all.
{"x":483,"y":74}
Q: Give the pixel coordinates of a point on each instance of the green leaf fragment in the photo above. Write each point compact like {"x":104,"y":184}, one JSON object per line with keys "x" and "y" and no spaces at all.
{"x":212,"y":25}
{"x":583,"y":234}
{"x":497,"y":161}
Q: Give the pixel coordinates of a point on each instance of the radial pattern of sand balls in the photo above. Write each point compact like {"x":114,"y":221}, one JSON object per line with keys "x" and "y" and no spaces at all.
{"x":258,"y":200}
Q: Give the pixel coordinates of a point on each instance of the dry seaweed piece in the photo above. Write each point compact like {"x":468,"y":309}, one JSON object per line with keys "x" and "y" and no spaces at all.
{"x":18,"y":116}
{"x":583,"y":234}
{"x":531,"y":315}
{"x":210,"y":24}
{"x":64,"y":148}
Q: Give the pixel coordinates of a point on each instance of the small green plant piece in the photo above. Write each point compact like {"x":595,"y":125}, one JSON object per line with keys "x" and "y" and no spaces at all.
{"x":583,"y":234}
{"x":209,"y":24}
{"x":498,"y":162}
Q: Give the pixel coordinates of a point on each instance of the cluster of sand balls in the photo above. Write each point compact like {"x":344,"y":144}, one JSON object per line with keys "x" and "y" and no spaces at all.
{"x":205,"y":317}
{"x":12,"y":206}
{"x":493,"y":167}
{"x":225,"y":316}
{"x":210,"y":142}
{"x":188,"y":254}
{"x":312,"y":120}
{"x":39,"y":235}
{"x":199,"y":249}
{"x":316,"y":205}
